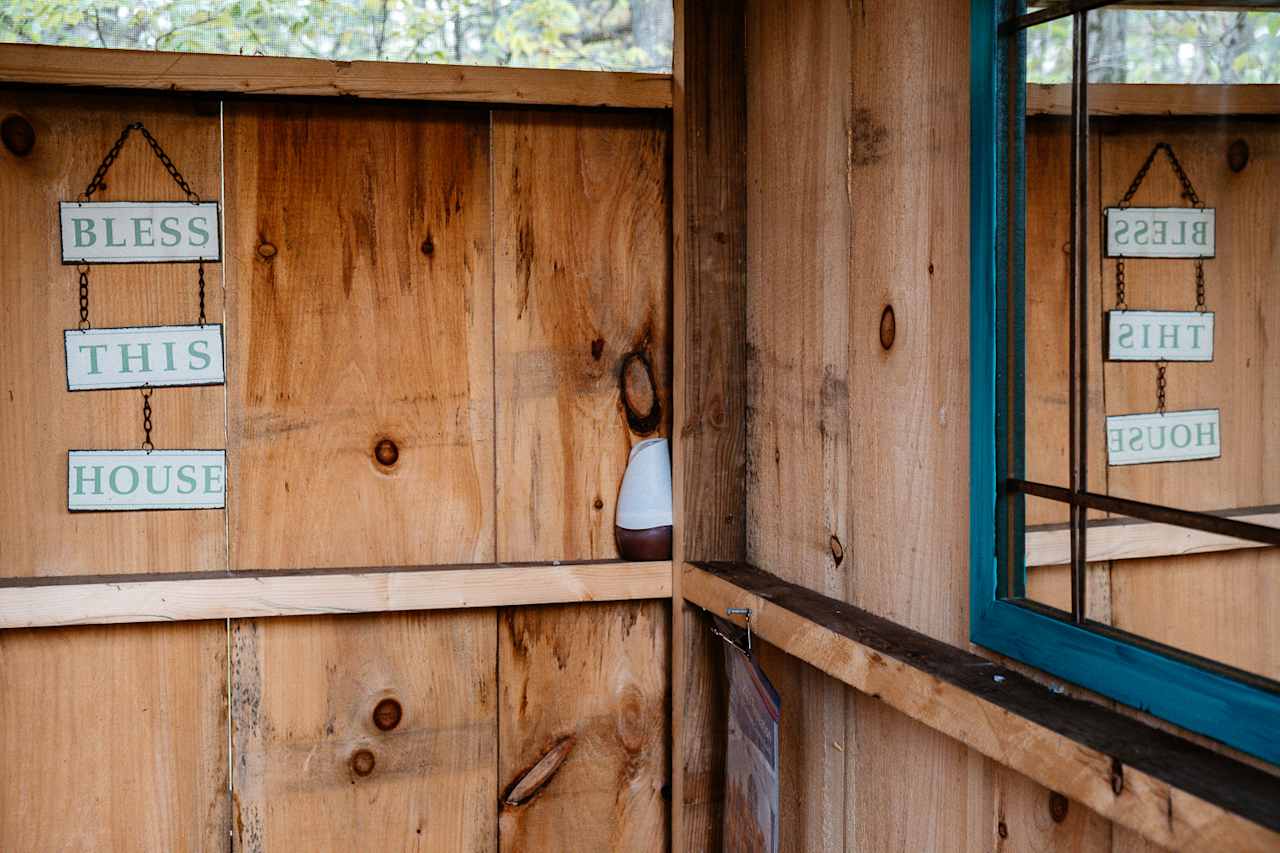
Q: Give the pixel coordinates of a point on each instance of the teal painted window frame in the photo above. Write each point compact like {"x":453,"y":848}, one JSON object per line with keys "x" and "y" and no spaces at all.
{"x":1164,"y":683}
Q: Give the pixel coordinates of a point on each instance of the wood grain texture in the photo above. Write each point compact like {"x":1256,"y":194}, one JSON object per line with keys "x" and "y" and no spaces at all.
{"x":306,"y":593}
{"x":1129,"y":539}
{"x":581,"y":281}
{"x":595,"y":679}
{"x":270,"y":75}
{"x":799,"y":471}
{"x":304,"y":694}
{"x":582,"y":276}
{"x":359,"y":258}
{"x":1174,"y":792}
{"x":709,"y":394}
{"x":111,"y":739}
{"x":1155,"y":99}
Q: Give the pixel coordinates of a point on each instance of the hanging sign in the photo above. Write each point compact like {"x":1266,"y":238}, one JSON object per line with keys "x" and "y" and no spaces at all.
{"x":121,"y":480}
{"x":1163,"y":437}
{"x":130,"y":232}
{"x":1159,"y":336}
{"x":155,"y":356}
{"x":1160,"y":232}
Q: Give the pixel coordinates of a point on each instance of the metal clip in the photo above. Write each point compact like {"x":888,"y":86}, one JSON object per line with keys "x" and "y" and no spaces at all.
{"x":745,"y":612}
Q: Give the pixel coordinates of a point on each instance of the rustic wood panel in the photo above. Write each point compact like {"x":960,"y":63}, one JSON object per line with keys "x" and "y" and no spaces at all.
{"x":582,"y":281}
{"x":1227,"y":605}
{"x":272,"y":75}
{"x":591,"y":685}
{"x":798,"y":430}
{"x":110,"y":739}
{"x":359,"y":257}
{"x":709,"y":452}
{"x":313,"y":768}
{"x":1158,"y":99}
{"x":361,"y":311}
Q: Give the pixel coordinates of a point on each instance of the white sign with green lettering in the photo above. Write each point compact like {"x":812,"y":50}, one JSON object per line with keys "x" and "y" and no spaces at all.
{"x":1160,"y":232}
{"x":155,"y":356}
{"x":131,"y":232}
{"x":1163,"y":437}
{"x":119,"y":480}
{"x":1159,"y":336}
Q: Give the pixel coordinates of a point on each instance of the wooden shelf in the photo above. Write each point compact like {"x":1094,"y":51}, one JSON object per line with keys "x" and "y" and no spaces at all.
{"x":1174,"y":792}
{"x":47,"y":602}
{"x":270,"y":75}
{"x":1156,"y":99}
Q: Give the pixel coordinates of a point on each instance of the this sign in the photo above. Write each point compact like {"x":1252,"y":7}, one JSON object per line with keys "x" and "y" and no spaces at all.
{"x":1159,"y":336}
{"x":1167,"y":437}
{"x":129,"y":232}
{"x":1160,"y":232}
{"x":157,"y":356}
{"x":135,"y":479}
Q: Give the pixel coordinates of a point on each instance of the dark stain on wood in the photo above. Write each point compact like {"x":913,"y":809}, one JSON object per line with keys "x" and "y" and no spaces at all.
{"x":888,"y":327}
{"x":640,"y":399}
{"x":1058,"y":807}
{"x":532,"y":781}
{"x":18,"y":135}
{"x":867,"y":139}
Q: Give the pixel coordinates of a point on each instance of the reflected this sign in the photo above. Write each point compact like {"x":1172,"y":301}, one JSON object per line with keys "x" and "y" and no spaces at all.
{"x":1163,"y":437}
{"x":1160,"y":232}
{"x":1159,"y":336}
{"x":121,"y":480}
{"x":139,"y":232}
{"x":155,"y":356}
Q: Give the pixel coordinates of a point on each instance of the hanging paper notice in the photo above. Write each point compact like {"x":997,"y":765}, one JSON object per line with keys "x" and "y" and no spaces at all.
{"x":139,"y":232}
{"x":119,"y":480}
{"x":155,"y":356}
{"x":1160,"y":232}
{"x":1159,"y":336}
{"x":1167,"y":437}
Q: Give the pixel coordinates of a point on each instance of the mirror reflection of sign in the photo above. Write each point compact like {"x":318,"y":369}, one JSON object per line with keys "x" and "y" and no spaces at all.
{"x":117,"y":480}
{"x":155,"y":356}
{"x":1160,"y":232}
{"x":129,"y":232}
{"x":1167,"y":437}
{"x":1159,"y":336}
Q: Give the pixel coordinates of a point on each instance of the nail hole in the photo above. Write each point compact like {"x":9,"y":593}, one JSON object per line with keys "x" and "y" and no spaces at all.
{"x":888,"y":328}
{"x":428,"y":247}
{"x":362,"y":762}
{"x":387,"y":714}
{"x":386,"y":452}
{"x":18,"y":135}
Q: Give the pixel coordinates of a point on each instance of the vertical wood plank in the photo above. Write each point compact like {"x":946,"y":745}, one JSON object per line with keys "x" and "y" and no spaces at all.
{"x":709,"y":315}
{"x":592,"y":681}
{"x":112,"y":738}
{"x":799,"y":471}
{"x":582,"y":271}
{"x":361,"y":311}
{"x":582,"y":280}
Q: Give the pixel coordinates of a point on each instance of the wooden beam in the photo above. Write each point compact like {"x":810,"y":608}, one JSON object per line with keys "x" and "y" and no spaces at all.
{"x":1158,"y":99}
{"x":271,"y":75}
{"x":1171,"y":791}
{"x":1132,"y":539}
{"x":211,"y":595}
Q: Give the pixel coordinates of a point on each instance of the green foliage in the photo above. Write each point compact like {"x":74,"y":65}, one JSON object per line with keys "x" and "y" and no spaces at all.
{"x":633,"y":35}
{"x":1162,"y":46}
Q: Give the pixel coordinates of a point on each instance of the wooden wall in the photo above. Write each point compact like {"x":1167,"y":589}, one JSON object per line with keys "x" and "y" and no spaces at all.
{"x":463,"y":282}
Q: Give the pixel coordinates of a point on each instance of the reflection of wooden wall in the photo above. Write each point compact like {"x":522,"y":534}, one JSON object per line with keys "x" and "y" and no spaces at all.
{"x":434,"y":276}
{"x":1221,"y":605}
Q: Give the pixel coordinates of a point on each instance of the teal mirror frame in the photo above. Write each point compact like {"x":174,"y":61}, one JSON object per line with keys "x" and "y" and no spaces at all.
{"x":1169,"y":685}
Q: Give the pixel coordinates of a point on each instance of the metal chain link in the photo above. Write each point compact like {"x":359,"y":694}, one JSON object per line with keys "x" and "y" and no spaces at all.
{"x":97,"y":183}
{"x":1161,"y":384}
{"x":147,"y":444}
{"x":1200,"y":306}
{"x":200,"y":275}
{"x":1121,"y":305}
{"x":83,"y":269}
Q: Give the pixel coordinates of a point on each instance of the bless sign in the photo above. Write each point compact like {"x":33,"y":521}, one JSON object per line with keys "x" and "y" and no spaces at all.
{"x":126,"y":232}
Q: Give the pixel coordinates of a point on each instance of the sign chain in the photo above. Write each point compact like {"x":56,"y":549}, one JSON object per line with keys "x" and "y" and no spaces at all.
{"x":147,"y":444}
{"x":1161,"y":384}
{"x":83,"y":269}
{"x":98,"y":181}
{"x":200,"y":275}
{"x":1188,"y":192}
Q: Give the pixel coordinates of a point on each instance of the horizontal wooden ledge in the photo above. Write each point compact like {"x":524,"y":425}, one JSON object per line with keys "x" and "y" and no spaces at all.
{"x":1174,"y":792}
{"x":270,"y":75}
{"x":49,"y":602}
{"x":1159,"y":99}
{"x":1134,"y":539}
